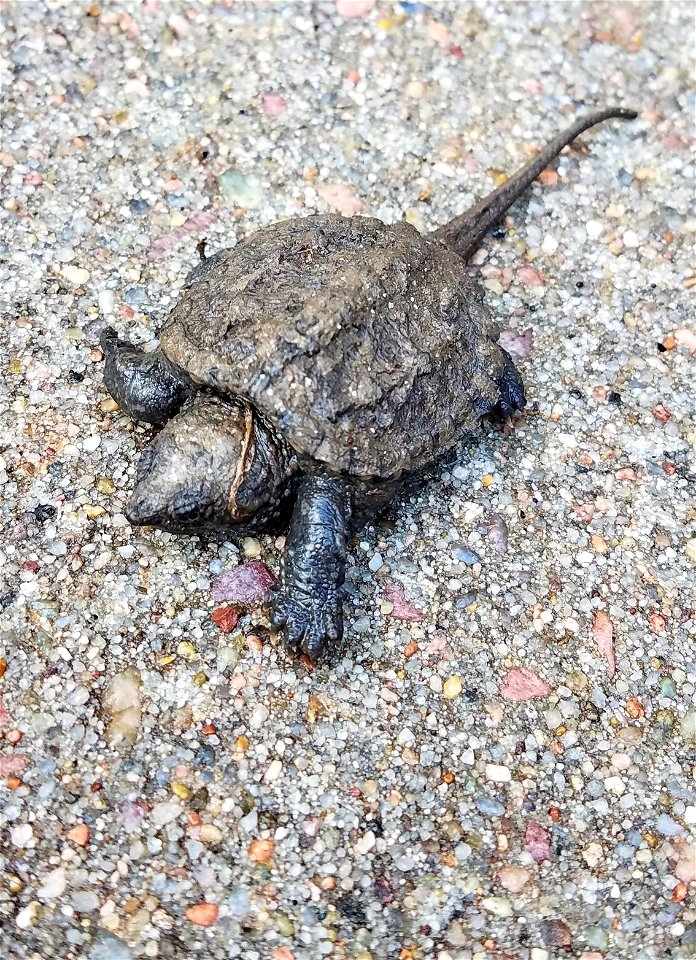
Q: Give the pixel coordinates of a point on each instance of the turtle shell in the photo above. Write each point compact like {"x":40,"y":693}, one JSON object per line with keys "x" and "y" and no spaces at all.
{"x":365,"y":344}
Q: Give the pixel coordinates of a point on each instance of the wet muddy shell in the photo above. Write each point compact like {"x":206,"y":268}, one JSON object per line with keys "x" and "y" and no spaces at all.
{"x":365,"y":344}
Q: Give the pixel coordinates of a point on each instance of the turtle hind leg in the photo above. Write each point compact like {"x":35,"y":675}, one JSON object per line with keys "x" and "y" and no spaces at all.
{"x":146,"y":385}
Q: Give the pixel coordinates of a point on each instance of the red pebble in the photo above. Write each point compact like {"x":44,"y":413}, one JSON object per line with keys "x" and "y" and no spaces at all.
{"x":226,"y":618}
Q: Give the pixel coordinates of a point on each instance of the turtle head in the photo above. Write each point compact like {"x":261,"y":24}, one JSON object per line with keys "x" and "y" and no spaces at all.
{"x":215,"y":466}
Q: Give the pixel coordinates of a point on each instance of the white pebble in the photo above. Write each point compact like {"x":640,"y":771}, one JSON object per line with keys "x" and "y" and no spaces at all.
{"x":498,"y":906}
{"x":76,"y":275}
{"x":167,"y":811}
{"x":274,"y":771}
{"x":105,"y":299}
{"x":53,"y":884}
{"x":365,"y":843}
{"x":631,"y":239}
{"x":498,"y":774}
{"x":550,"y":244}
{"x":91,"y":443}
{"x":258,"y":717}
{"x":594,"y":229}
{"x":22,"y":834}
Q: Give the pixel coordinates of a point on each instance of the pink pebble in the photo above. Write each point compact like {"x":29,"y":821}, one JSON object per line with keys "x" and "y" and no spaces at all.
{"x":403,"y":610}
{"x":354,"y":8}
{"x":12,"y":763}
{"x":536,"y":840}
{"x":274,"y":104}
{"x":246,"y":584}
{"x":530,"y":277}
{"x":523,"y":684}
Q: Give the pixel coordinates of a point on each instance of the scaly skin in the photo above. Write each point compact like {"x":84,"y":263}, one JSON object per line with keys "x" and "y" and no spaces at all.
{"x":308,"y":602}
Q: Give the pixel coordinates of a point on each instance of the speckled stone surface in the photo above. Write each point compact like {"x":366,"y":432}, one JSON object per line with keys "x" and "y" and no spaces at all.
{"x":499,"y":762}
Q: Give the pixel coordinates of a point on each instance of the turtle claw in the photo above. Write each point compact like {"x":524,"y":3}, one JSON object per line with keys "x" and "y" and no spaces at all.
{"x":309,"y":624}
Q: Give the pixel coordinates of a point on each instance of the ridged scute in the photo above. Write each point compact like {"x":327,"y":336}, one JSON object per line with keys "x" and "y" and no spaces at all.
{"x":366,"y":344}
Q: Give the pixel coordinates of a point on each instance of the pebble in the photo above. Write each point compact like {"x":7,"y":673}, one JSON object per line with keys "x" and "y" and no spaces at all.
{"x":514,"y":879}
{"x":464,"y":555}
{"x":452,"y":687}
{"x":53,"y":884}
{"x":251,"y":547}
{"x":246,"y":584}
{"x":164,"y":812}
{"x":76,"y":275}
{"x":121,"y":707}
{"x":593,"y":854}
{"x":22,"y":834}
{"x":107,"y":946}
{"x":490,"y":807}
{"x":521,"y":684}
{"x":242,"y":189}
{"x":497,"y":773}
{"x":203,"y":914}
{"x":258,"y":717}
{"x":498,"y":906}
{"x":687,"y":726}
{"x":667,"y":826}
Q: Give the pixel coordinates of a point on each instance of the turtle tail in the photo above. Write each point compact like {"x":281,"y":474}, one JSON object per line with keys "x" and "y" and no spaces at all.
{"x":465,"y":232}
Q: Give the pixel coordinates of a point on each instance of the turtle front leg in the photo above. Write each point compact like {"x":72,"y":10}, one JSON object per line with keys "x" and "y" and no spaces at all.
{"x":146,"y":385}
{"x":307,"y":604}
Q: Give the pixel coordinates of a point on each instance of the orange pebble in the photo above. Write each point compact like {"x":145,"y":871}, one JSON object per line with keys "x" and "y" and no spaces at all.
{"x":203,"y":914}
{"x":679,"y":892}
{"x":79,"y":834}
{"x":13,"y":737}
{"x":261,"y":851}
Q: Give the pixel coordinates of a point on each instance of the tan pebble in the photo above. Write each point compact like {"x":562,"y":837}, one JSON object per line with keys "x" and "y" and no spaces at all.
{"x":108,"y":405}
{"x":599,"y":544}
{"x":203,"y":914}
{"x":79,"y":834}
{"x":415,"y":89}
{"x":514,"y":879}
{"x":209,"y":833}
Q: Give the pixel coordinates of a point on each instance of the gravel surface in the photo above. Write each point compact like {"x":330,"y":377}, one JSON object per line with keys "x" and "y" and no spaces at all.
{"x":498,"y":764}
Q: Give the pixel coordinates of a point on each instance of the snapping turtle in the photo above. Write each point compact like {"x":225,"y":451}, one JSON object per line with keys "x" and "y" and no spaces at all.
{"x":306,"y":373}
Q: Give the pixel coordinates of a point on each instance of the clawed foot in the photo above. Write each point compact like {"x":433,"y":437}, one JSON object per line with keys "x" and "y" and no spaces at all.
{"x":309,"y":624}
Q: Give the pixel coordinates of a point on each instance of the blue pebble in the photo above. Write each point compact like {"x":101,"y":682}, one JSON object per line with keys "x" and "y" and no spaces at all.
{"x":463,"y":555}
{"x":490,"y":807}
{"x":413,"y":7}
{"x":139,"y":207}
{"x":205,"y":757}
{"x":135,"y":295}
